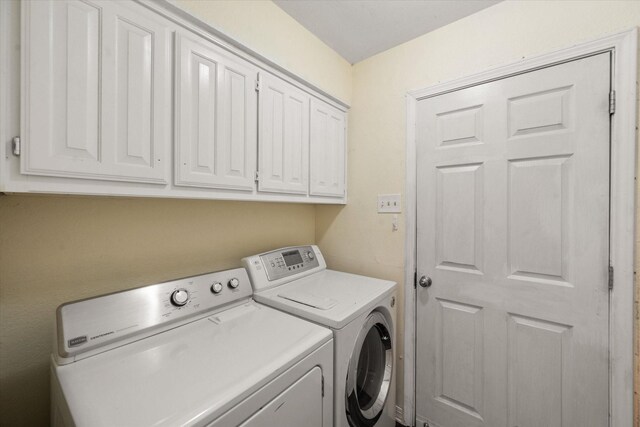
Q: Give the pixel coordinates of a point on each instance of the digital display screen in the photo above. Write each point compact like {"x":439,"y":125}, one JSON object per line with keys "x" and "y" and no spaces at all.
{"x":292,"y":258}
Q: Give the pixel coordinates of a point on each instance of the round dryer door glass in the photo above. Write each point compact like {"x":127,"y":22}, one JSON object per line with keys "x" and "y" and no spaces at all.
{"x":369,"y":374}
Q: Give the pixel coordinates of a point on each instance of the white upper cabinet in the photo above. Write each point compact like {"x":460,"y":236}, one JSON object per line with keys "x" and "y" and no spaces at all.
{"x":283,"y":137}
{"x":327,"y":150}
{"x":216,"y":116}
{"x":96,"y":91}
{"x":137,"y":98}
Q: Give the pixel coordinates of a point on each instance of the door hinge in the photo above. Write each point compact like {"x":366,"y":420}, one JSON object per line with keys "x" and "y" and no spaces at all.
{"x":323,"y":386}
{"x":15,"y":144}
{"x":612,"y":102}
{"x":257,"y":177}
{"x":610,"y":277}
{"x":258,"y":83}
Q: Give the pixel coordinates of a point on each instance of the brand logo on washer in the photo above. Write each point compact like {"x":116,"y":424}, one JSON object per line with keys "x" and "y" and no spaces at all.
{"x":74,"y":342}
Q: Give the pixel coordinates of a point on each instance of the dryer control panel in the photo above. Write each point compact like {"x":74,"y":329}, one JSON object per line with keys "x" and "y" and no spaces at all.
{"x":283,"y":265}
{"x":285,"y":262}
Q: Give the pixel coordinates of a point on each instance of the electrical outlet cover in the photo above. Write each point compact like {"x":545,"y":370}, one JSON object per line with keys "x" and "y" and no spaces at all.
{"x":389,"y":203}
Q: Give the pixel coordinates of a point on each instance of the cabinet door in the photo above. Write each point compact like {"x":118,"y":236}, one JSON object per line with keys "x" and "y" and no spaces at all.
{"x":137,"y":93}
{"x":216,"y":117}
{"x":284,"y":137}
{"x":95,"y":91}
{"x":328,"y":150}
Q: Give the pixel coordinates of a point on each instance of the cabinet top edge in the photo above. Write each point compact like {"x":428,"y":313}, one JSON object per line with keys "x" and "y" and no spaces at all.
{"x":172,"y":11}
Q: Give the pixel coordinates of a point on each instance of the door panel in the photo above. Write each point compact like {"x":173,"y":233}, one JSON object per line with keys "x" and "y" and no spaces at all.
{"x":83,"y":31}
{"x":459,"y":217}
{"x":513,"y":198}
{"x":137,"y":94}
{"x":62,"y":97}
{"x":537,"y":368}
{"x":457,"y":127}
{"x":238,"y":123}
{"x":216,"y":113}
{"x":327,"y":150}
{"x":539,"y":193}
{"x":459,"y":357}
{"x":134,"y":103}
{"x":284,"y":137}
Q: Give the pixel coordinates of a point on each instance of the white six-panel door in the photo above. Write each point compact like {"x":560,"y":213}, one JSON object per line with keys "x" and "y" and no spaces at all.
{"x":96,"y":91}
{"x":327,"y":150}
{"x":283,"y":137}
{"x":512,"y":228}
{"x":216,"y":116}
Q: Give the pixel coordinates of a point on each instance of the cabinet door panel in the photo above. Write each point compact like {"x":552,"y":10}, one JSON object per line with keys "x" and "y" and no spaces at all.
{"x":137,"y":83}
{"x":61,"y":95}
{"x":328,"y":149}
{"x":284,"y":137}
{"x":238,"y":124}
{"x":216,"y":114}
{"x":134,"y":102}
{"x":96,"y":84}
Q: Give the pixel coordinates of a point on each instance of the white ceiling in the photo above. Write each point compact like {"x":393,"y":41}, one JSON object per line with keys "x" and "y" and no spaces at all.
{"x":358,"y":29}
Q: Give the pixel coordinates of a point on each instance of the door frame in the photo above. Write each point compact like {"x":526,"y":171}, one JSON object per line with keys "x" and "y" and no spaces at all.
{"x":623,"y":47}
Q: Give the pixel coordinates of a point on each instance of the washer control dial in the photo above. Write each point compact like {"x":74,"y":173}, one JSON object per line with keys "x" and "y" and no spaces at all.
{"x":310,"y":255}
{"x":179,"y":297}
{"x":234,"y":283}
{"x":216,"y":288}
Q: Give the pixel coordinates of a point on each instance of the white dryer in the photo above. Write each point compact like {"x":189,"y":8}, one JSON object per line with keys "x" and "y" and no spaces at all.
{"x":196,"y":351}
{"x":361,"y":312}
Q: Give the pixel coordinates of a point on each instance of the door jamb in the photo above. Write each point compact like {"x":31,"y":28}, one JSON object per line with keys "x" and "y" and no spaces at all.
{"x":623,"y":46}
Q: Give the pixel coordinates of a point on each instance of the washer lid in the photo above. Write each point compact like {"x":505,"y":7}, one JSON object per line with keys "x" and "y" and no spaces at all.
{"x":190,"y":374}
{"x":353,"y":295}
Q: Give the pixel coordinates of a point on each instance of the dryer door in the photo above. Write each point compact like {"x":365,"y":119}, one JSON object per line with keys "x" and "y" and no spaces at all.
{"x":369,"y":374}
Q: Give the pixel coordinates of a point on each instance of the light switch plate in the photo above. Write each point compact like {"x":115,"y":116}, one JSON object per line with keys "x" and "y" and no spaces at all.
{"x":389,"y":203}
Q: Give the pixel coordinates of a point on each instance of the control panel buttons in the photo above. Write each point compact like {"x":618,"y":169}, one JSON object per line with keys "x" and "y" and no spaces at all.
{"x":216,"y":288}
{"x":234,"y":283}
{"x":179,"y":297}
{"x":286,"y":263}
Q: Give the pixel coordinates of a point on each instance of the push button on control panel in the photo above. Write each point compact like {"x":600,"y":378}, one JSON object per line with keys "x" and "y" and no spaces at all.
{"x":216,"y":288}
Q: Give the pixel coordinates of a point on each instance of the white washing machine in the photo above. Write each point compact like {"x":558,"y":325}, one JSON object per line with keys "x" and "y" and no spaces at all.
{"x":196,"y":351}
{"x":361,"y":312}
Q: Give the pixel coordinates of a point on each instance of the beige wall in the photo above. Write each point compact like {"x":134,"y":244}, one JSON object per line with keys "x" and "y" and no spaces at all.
{"x":356,"y":238}
{"x":56,"y":249}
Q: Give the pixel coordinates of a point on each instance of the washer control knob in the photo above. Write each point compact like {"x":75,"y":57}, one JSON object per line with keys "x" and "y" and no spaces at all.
{"x":234,"y":283}
{"x":310,"y":255}
{"x":179,"y":297}
{"x":216,"y":288}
